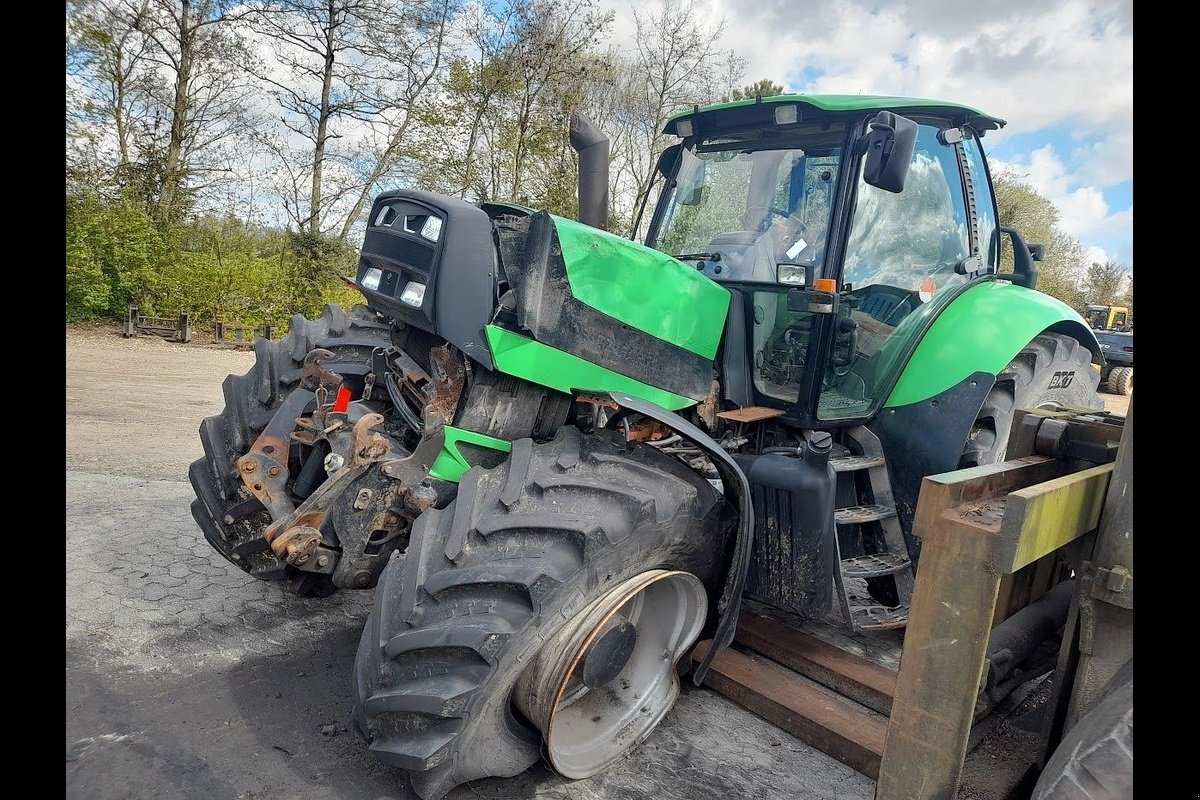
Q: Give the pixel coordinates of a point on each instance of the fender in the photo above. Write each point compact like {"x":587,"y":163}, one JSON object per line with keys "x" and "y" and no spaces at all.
{"x":981,"y":330}
{"x":737,"y":488}
{"x":929,"y":412}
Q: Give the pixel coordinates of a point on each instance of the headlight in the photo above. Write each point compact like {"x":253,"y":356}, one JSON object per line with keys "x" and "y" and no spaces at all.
{"x":371,"y":279}
{"x":432,"y":228}
{"x":413,"y":294}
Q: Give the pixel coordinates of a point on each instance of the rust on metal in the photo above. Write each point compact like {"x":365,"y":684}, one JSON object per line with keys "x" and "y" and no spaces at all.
{"x":751,"y":414}
{"x":367,"y":446}
{"x":449,"y":378}
{"x":315,"y":375}
{"x":707,"y":409}
{"x":599,"y":402}
{"x":265,"y":476}
{"x":297,"y":544}
{"x":647,"y":430}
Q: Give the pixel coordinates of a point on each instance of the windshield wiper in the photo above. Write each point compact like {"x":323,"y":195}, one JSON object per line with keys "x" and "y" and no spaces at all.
{"x":694,"y":256}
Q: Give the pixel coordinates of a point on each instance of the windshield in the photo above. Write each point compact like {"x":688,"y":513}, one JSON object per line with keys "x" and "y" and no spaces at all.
{"x":744,"y":209}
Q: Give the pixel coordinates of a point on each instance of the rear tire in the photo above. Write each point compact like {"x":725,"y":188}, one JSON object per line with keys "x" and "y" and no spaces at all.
{"x":251,"y":401}
{"x":1034,"y":379}
{"x":487,"y":580}
{"x":1120,"y":381}
{"x":1094,"y":760}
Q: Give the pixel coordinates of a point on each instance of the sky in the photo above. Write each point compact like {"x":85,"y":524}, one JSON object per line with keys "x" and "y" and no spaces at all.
{"x":1059,"y":71}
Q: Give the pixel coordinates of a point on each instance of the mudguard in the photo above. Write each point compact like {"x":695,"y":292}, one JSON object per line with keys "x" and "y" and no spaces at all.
{"x":981,"y":330}
{"x":737,"y":488}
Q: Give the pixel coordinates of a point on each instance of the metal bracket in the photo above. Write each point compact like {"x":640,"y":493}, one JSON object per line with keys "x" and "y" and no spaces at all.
{"x":1113,"y":585}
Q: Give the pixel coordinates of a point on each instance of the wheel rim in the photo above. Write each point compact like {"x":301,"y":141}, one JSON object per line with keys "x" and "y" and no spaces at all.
{"x":602,"y":683}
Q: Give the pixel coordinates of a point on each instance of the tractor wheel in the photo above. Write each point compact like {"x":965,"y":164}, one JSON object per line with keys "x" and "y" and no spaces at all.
{"x":251,"y":401}
{"x":1120,"y":381}
{"x":1052,"y":371}
{"x":1094,"y":760}
{"x":550,"y":601}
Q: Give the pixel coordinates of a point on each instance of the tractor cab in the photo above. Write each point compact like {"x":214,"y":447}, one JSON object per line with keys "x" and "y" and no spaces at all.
{"x":840,"y":224}
{"x":1108,"y":318}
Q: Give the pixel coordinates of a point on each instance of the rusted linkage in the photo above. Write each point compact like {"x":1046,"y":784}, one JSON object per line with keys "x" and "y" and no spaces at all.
{"x":366,"y":489}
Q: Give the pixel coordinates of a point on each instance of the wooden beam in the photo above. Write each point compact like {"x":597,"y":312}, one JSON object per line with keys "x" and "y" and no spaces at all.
{"x":944,"y":649}
{"x":1042,"y":518}
{"x":857,"y":678}
{"x":837,"y":727}
{"x":948,"y":489}
{"x":751,"y":414}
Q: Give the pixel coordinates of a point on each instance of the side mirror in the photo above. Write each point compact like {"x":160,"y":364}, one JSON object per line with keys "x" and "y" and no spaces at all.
{"x":1024,"y":273}
{"x":890,"y":145}
{"x":666,"y":160}
{"x":1037,"y":252}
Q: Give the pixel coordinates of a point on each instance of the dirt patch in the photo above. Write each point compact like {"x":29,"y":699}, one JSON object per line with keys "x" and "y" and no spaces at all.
{"x":134,"y":405}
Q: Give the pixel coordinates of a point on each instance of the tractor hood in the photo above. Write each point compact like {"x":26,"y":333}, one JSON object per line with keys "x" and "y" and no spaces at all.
{"x":615,"y":304}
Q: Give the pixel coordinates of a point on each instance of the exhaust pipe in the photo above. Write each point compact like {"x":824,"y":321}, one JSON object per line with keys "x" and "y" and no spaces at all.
{"x":592,"y":147}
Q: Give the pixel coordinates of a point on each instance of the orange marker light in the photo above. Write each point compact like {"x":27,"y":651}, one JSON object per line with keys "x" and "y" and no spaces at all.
{"x":825,"y":285}
{"x":343,"y":400}
{"x":927,"y":290}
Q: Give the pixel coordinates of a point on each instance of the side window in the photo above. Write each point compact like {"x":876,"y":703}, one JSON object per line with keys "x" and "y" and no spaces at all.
{"x":985,"y":206}
{"x":911,"y":240}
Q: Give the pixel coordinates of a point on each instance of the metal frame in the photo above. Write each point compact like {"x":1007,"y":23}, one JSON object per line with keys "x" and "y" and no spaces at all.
{"x":984,"y":522}
{"x":179,"y":329}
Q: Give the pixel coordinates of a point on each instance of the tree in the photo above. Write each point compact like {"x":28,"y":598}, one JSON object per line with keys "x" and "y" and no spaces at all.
{"x":1104,"y":284}
{"x":344,"y":73}
{"x":1020,"y":206}
{"x":763,"y":88}
{"x":676,"y":64}
{"x":502,"y":132}
{"x":207,"y":100}
{"x":110,"y":82}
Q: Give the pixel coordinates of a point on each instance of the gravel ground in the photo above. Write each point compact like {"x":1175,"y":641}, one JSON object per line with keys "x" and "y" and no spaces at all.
{"x":186,"y":678}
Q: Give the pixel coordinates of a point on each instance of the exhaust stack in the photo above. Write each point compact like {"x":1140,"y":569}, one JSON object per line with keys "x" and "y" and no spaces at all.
{"x":592,"y":146}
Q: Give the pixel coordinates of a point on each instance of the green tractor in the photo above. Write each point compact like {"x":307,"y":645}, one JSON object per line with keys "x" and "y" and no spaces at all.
{"x":562,"y":456}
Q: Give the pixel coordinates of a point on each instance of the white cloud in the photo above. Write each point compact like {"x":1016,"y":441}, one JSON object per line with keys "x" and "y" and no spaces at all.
{"x":1083,"y":211}
{"x":1107,"y":162}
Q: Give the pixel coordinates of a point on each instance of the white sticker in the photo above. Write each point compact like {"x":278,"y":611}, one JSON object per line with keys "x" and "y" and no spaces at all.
{"x":797,"y":248}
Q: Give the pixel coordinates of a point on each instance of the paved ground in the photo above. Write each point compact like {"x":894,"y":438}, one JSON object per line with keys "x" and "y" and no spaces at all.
{"x":188,"y":679}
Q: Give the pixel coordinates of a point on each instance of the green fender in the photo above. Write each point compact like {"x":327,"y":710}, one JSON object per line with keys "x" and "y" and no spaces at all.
{"x":982,"y":330}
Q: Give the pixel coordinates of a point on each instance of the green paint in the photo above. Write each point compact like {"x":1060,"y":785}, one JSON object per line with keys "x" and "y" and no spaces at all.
{"x":831,"y":102}
{"x":549,"y":366}
{"x":450,"y":463}
{"x":980,"y":330}
{"x":643,"y":288}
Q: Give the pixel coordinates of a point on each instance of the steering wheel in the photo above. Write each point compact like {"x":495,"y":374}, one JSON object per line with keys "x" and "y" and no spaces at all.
{"x":766,"y":212}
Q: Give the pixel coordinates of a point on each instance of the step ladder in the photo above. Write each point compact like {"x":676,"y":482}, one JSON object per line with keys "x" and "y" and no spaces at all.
{"x":862,"y":612}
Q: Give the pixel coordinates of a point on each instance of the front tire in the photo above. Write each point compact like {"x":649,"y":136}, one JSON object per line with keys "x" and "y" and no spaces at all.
{"x":488,"y":580}
{"x":1052,"y":371}
{"x":251,"y":400}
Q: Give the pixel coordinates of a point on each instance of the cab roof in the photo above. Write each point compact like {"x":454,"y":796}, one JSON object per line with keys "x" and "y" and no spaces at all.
{"x":760,"y":110}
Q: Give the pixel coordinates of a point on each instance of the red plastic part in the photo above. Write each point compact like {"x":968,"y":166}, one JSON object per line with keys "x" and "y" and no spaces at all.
{"x":343,"y":400}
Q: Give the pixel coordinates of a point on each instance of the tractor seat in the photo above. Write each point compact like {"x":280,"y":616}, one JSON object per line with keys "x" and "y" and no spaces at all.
{"x":879,"y":305}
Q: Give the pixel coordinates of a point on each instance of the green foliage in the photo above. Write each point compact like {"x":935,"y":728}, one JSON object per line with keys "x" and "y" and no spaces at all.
{"x":1020,"y":206}
{"x":212,"y":268}
{"x":762,"y":88}
{"x":114,"y":254}
{"x":1105,"y":284}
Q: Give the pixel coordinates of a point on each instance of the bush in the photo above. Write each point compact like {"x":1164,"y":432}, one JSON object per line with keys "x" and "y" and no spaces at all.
{"x":212,"y":268}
